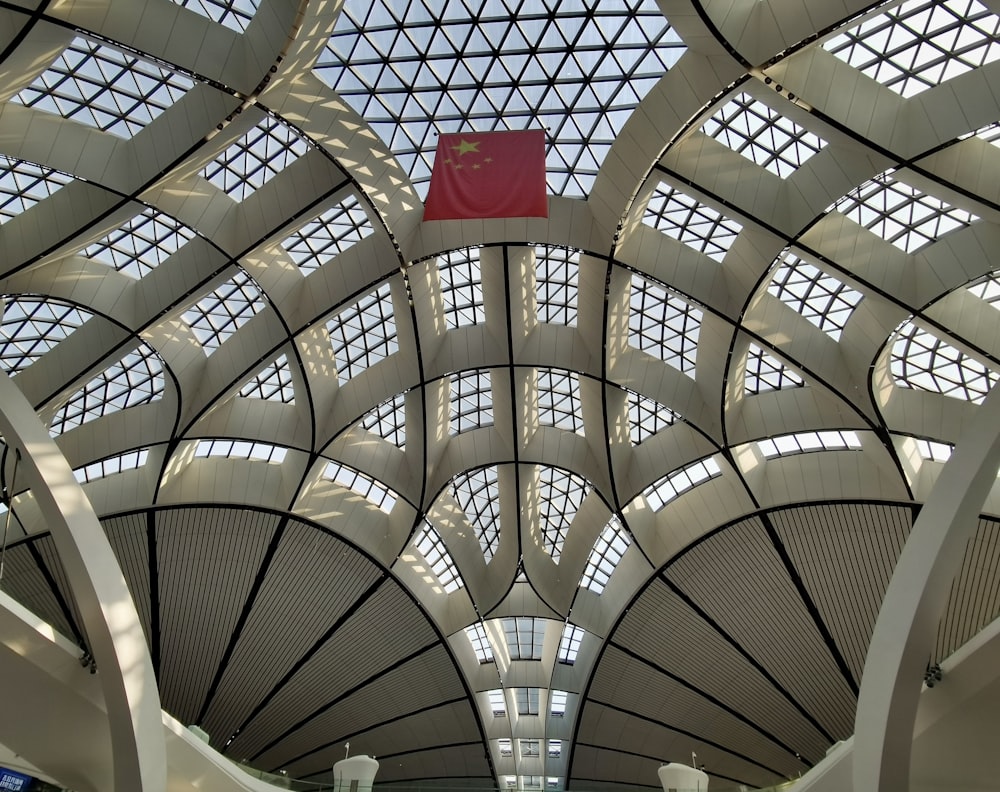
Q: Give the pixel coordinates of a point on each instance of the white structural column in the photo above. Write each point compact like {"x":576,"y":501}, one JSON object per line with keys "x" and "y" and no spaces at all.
{"x":116,"y":638}
{"x":914,"y":603}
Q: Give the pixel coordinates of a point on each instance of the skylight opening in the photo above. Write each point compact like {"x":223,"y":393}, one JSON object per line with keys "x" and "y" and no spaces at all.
{"x":762,"y":135}
{"x":900,"y":214}
{"x":663,"y":324}
{"x":498,"y":703}
{"x":688,"y":220}
{"x":922,"y":361}
{"x":256,"y":158}
{"x":569,"y":643}
{"x":554,"y":752}
{"x":504,"y":747}
{"x":526,"y":700}
{"x":142,"y":244}
{"x":604,"y":557}
{"x":135,"y":379}
{"x":933,"y":451}
{"x":560,"y":495}
{"x":471,"y":401}
{"x":987,"y":289}
{"x":647,"y":417}
{"x":557,"y":703}
{"x":661,"y":492}
{"x":104,"y":88}
{"x":557,"y":272}
{"x":112,"y":465}
{"x":388,"y":420}
{"x":273,"y":383}
{"x":321,"y":240}
{"x":375,"y":492}
{"x":23,"y":184}
{"x":241,"y":449}
{"x":363,"y":333}
{"x":413,"y":71}
{"x":480,"y":642}
{"x":233,"y":14}
{"x":766,"y":373}
{"x":818,"y":297}
{"x":31,"y":326}
{"x":921,"y":43}
{"x":529,"y":748}
{"x":216,"y":316}
{"x":462,"y":287}
{"x":559,"y":402}
{"x":525,"y":636}
{"x":430,"y":545}
{"x":477,"y":493}
{"x":806,"y":442}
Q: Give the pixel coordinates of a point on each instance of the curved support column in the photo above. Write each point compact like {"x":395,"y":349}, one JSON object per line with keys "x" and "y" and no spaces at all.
{"x":112,"y":624}
{"x":914,"y":603}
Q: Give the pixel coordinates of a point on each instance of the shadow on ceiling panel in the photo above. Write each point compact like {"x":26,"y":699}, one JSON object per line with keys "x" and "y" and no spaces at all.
{"x":207,"y":560}
{"x":466,"y":761}
{"x":666,"y":631}
{"x":385,"y":628}
{"x":24,"y":580}
{"x":738,"y":579}
{"x":845,"y":554}
{"x":422,"y":682}
{"x":974,"y":600}
{"x":312,"y":580}
{"x":634,"y":686}
{"x":449,"y":724}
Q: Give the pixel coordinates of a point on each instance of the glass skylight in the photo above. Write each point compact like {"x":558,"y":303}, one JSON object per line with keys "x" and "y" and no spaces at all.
{"x":804,"y":442}
{"x":135,"y":379}
{"x":569,"y":643}
{"x":988,"y":289}
{"x":663,"y":324}
{"x":766,"y":373}
{"x":498,"y":703}
{"x":604,"y":557}
{"x":934,"y":451}
{"x":255,"y":158}
{"x":688,"y":220}
{"x":471,"y":400}
{"x":233,"y":14}
{"x":104,"y":88}
{"x":902,"y":215}
{"x":241,"y":449}
{"x":526,"y":700}
{"x":647,"y":417}
{"x":23,"y":184}
{"x":557,"y":703}
{"x":818,"y":297}
{"x":272,"y":383}
{"x":762,"y":135}
{"x":413,"y":70}
{"x":559,"y":402}
{"x":556,"y":275}
{"x":560,"y":494}
{"x":481,"y":645}
{"x":505,"y":746}
{"x":388,"y":420}
{"x":921,"y":43}
{"x":31,"y":326}
{"x":142,"y":244}
{"x":922,"y":361}
{"x":462,"y":287}
{"x":555,"y":750}
{"x":661,"y":492}
{"x":329,"y":235}
{"x":525,"y":636}
{"x":433,"y":549}
{"x":219,"y":314}
{"x":363,"y":333}
{"x":374,"y":491}
{"x":477,"y":492}
{"x":109,"y":466}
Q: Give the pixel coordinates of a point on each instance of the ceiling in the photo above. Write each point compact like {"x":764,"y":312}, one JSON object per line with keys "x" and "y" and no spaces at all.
{"x":540,"y":503}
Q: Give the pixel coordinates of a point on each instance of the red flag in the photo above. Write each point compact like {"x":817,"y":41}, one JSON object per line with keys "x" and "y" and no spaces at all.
{"x":488,"y":174}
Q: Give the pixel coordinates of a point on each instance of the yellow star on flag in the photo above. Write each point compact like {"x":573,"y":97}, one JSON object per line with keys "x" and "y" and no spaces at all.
{"x":465,"y":147}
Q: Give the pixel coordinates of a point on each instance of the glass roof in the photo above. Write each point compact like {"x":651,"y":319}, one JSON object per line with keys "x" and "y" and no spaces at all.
{"x":32,"y":326}
{"x":688,"y":220}
{"x":234,"y":14}
{"x":822,"y":299}
{"x":416,"y":68}
{"x":923,"y":361}
{"x":141,"y":244}
{"x":23,"y":184}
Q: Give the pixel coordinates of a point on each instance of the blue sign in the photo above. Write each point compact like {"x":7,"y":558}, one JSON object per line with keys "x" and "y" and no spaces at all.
{"x":13,"y":782}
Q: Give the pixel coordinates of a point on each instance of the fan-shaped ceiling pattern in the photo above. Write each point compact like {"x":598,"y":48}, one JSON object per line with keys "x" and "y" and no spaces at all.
{"x":530,"y":503}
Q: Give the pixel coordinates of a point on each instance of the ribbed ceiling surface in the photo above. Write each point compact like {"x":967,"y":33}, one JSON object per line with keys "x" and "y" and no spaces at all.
{"x":530,"y":503}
